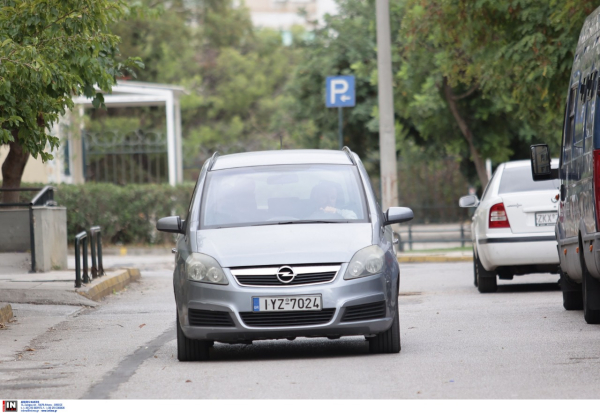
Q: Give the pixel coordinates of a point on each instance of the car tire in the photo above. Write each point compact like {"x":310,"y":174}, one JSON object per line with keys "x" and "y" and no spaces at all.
{"x":486,"y":280}
{"x":591,"y":294}
{"x":474,"y":269}
{"x":572,"y":292}
{"x":387,"y":341}
{"x":189,"y":349}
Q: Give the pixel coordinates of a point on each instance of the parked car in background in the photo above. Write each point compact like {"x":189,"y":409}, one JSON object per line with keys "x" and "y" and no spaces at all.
{"x":513,"y":226}
{"x":578,"y":226}
{"x":285,"y":244}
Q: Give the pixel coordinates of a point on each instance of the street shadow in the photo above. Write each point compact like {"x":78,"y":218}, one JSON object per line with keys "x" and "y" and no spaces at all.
{"x":305,"y":348}
{"x":528,"y":288}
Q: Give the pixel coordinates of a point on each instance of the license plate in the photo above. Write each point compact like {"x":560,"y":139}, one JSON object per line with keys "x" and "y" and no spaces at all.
{"x":290,"y":303}
{"x":543,"y":219}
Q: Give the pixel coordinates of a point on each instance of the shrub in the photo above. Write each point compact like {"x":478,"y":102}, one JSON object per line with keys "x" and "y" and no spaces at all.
{"x":127,"y":214}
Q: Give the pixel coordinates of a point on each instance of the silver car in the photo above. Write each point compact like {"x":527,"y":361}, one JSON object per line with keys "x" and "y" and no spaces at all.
{"x":285,"y":244}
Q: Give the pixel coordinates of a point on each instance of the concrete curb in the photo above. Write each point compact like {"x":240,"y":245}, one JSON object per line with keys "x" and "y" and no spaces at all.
{"x":432,"y":258}
{"x":6,"y":313}
{"x":111,"y":285}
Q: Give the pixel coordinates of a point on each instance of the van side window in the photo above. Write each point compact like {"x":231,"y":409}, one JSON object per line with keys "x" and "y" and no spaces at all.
{"x":589,"y":121}
{"x":570,"y":126}
{"x":579,"y":119}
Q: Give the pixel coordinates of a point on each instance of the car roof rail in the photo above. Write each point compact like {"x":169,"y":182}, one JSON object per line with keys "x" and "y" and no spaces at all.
{"x":212,"y":160}
{"x":349,"y":153}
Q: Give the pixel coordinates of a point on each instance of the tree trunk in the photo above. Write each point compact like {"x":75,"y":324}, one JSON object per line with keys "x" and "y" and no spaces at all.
{"x":12,"y":169}
{"x":466,"y":131}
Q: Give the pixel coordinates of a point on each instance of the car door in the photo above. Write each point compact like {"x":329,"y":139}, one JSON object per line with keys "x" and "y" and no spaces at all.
{"x":587,"y":168}
{"x":570,"y":165}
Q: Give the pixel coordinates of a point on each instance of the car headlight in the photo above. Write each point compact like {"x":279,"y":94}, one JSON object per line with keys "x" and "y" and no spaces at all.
{"x":368,"y":261}
{"x":204,"y":268}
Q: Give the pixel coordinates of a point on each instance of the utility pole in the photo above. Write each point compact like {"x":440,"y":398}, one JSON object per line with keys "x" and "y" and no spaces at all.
{"x":387,"y":135}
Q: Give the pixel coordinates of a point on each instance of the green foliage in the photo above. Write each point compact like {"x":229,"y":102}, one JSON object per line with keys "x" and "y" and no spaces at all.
{"x":127,"y":214}
{"x":507,"y":63}
{"x":517,"y":54}
{"x":344,"y":45}
{"x":51,"y":50}
{"x":235,"y":75}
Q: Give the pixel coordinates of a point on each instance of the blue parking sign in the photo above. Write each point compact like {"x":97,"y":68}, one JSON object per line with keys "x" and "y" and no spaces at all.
{"x":340,"y":92}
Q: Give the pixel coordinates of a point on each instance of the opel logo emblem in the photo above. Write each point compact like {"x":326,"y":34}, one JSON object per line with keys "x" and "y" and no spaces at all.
{"x":285,"y":275}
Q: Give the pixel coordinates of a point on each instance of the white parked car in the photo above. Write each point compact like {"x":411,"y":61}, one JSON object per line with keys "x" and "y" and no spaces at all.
{"x":513,"y":226}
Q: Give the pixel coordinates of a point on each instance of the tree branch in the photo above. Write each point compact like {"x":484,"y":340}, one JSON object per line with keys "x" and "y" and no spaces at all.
{"x":467,"y":93}
{"x":466,"y":131}
{"x":16,"y":62}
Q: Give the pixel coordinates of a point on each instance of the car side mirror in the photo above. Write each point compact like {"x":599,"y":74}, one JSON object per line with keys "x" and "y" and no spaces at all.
{"x":540,"y":163}
{"x":397,"y":215}
{"x":171,"y":224}
{"x":468,"y":201}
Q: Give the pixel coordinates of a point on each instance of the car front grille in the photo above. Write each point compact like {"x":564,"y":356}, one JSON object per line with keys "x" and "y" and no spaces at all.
{"x":207,"y":318}
{"x":364,"y":312}
{"x":287,"y":318}
{"x":303,"y":275}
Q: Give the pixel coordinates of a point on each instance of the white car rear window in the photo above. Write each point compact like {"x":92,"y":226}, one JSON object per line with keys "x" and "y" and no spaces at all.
{"x":520,"y":180}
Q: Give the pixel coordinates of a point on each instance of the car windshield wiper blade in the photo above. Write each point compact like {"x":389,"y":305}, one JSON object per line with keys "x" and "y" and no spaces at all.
{"x":304,"y":221}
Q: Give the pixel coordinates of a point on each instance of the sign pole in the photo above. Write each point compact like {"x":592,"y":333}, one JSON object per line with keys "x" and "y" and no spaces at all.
{"x":340,"y":93}
{"x":341,"y":127}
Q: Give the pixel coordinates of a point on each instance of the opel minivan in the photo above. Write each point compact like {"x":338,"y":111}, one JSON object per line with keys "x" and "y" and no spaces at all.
{"x":285,"y":244}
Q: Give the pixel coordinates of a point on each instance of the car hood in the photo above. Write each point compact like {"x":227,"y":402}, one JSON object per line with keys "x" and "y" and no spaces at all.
{"x":284,"y":244}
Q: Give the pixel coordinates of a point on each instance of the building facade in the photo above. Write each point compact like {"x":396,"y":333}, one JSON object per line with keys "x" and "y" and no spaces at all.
{"x":283,"y":14}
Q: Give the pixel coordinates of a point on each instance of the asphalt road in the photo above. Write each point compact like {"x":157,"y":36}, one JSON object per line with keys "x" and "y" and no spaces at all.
{"x":456,"y":344}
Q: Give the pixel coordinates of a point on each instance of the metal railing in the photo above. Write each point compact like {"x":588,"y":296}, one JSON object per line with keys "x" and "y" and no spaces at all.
{"x":409,"y":232}
{"x":96,"y":245}
{"x":81,"y":241}
{"x":44,"y":197}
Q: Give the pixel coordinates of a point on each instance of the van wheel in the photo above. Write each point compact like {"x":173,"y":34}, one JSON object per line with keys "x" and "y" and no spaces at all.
{"x":572,"y":292}
{"x":486,"y":280}
{"x":591,"y":294}
{"x":387,"y":341}
{"x":188,"y":349}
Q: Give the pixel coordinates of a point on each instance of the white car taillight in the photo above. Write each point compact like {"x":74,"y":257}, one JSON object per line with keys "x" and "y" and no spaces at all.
{"x":498,"y":218}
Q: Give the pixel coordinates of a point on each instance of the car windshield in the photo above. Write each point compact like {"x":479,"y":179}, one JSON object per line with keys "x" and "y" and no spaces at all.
{"x":520,"y":180}
{"x":282,"y":194}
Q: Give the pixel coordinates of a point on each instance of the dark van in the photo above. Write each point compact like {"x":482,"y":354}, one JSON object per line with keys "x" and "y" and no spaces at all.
{"x":578,"y":226}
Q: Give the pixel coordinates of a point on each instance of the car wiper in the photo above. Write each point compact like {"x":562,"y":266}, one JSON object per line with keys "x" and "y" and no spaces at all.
{"x":303,"y":221}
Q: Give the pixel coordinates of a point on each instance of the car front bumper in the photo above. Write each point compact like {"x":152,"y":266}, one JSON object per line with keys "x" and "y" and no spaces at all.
{"x":338,"y":295}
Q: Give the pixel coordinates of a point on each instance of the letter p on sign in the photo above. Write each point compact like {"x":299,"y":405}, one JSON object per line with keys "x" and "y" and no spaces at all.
{"x":339,"y":92}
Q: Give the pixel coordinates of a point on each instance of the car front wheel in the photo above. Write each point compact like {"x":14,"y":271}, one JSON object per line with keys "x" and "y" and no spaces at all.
{"x":387,"y":341}
{"x":189,"y":349}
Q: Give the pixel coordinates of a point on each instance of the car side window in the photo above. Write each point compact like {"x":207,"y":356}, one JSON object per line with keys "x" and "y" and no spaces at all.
{"x":485,"y":191}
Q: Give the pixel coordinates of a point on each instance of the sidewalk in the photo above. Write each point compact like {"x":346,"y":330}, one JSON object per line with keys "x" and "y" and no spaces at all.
{"x":17,"y":285}
{"x":435,"y":256}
